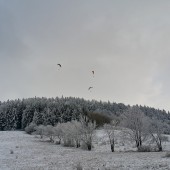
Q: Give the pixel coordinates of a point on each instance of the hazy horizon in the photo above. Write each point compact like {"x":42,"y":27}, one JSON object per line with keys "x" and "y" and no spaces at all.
{"x":125,"y":42}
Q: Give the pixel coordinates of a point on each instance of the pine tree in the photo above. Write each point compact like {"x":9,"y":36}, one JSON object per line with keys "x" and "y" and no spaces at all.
{"x":27,"y":117}
{"x":38,"y":118}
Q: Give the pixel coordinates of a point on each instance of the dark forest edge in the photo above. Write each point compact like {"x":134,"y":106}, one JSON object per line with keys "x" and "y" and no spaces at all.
{"x":18,"y":114}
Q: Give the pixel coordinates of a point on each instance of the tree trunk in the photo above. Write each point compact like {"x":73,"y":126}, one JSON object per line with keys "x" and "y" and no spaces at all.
{"x":51,"y":139}
{"x":77,"y":144}
{"x":159,"y":147}
{"x":89,"y":147}
{"x":138,"y":143}
{"x":112,"y":147}
{"x":59,"y":142}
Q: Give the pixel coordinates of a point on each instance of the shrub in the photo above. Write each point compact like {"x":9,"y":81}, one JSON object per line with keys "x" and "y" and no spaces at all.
{"x":144,"y":149}
{"x":49,"y":132}
{"x":85,"y":147}
{"x":68,"y":143}
{"x":30,"y":128}
{"x":167,"y":155}
{"x":39,"y":130}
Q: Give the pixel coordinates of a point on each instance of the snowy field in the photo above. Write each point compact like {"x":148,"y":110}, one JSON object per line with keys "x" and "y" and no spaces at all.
{"x":20,"y":151}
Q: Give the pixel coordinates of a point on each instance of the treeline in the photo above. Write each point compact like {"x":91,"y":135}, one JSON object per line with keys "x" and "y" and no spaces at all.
{"x":133,"y":125}
{"x":18,"y":114}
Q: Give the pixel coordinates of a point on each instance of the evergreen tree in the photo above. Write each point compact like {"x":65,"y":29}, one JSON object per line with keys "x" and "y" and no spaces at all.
{"x":27,"y":117}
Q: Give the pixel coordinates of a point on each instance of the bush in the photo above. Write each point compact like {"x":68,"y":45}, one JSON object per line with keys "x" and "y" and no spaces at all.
{"x":30,"y":128}
{"x":57,"y":142}
{"x":85,"y":147}
{"x":39,"y":130}
{"x":167,"y":155}
{"x":68,"y":143}
{"x":144,"y":149}
{"x":49,"y":132}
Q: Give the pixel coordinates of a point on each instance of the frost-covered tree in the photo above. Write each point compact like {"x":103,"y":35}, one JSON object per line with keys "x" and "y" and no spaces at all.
{"x":110,"y":131}
{"x":30,"y":128}
{"x":49,"y":132}
{"x":156,"y":129}
{"x":135,"y":120}
{"x":40,"y":130}
{"x":49,"y":117}
{"x":68,"y":131}
{"x":87,"y":131}
{"x":76,"y":132}
{"x":27,"y":116}
{"x":2,"y":120}
{"x":58,"y":132}
{"x":38,"y":118}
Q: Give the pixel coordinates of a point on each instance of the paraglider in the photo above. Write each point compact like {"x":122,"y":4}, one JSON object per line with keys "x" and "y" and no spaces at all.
{"x":90,"y":88}
{"x":59,"y":65}
{"x":93,"y":73}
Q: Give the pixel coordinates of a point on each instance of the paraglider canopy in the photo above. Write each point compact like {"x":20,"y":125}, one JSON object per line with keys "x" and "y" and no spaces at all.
{"x":90,"y":88}
{"x":59,"y":65}
{"x":93,"y":72}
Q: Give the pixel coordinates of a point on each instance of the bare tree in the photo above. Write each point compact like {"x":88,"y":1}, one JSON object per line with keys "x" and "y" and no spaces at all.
{"x":110,"y":129}
{"x":135,"y":120}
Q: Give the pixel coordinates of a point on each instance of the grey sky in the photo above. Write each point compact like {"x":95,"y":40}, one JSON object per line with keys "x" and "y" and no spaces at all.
{"x":126,"y":42}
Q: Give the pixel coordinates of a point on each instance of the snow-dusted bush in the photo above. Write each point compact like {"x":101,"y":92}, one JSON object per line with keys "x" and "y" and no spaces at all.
{"x":167,"y":155}
{"x":67,"y":134}
{"x":40,"y":130}
{"x":49,"y":132}
{"x":73,"y":133}
{"x":145,"y":148}
{"x":77,"y":132}
{"x":58,"y":132}
{"x":30,"y":128}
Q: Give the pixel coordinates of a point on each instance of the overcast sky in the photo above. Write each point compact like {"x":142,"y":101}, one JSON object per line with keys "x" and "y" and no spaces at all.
{"x":126,"y":43}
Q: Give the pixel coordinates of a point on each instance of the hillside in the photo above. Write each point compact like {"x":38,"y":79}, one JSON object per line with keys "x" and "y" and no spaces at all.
{"x":17,"y":114}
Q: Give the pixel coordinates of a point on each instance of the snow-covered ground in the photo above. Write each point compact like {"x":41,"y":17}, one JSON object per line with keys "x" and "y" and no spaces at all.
{"x":29,"y":153}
